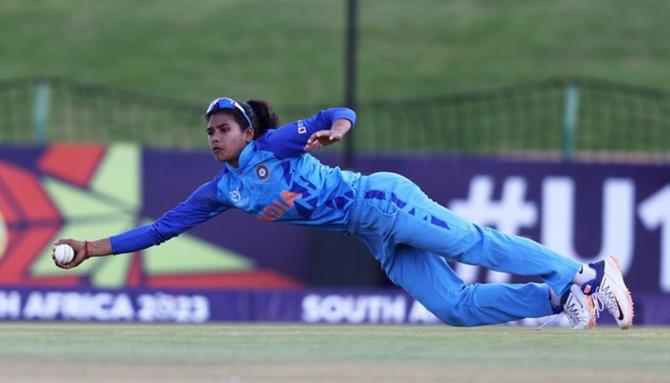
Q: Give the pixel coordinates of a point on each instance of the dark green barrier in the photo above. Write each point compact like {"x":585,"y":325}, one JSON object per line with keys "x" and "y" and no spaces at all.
{"x":558,"y":118}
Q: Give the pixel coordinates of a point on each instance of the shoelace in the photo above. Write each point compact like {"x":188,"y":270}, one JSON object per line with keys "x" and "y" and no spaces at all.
{"x":599,"y":304}
{"x":573,"y":312}
{"x":553,"y":319}
{"x":604,"y":299}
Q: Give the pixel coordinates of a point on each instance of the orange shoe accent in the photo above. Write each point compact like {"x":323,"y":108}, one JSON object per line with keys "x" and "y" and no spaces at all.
{"x":616,"y":262}
{"x":592,"y":309}
{"x":632,"y":311}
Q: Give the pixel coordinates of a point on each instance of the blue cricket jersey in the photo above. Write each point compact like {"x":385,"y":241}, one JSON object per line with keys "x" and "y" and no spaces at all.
{"x":275,"y":181}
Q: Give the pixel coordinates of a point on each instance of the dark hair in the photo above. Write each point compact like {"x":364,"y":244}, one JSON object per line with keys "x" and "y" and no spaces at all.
{"x":259,"y":112}
{"x":262,"y":116}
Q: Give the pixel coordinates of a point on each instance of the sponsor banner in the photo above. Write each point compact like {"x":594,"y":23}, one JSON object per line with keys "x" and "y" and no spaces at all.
{"x":311,"y":306}
{"x":198,"y":306}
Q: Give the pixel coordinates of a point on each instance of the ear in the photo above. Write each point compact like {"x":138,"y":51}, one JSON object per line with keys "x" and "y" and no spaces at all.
{"x":249,"y":134}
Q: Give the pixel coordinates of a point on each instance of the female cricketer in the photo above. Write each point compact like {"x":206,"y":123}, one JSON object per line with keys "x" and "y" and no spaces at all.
{"x":268,"y":172}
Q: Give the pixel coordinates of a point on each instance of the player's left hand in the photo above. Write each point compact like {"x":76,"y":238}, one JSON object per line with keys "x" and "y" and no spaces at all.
{"x":323,"y":138}
{"x":328,"y":137}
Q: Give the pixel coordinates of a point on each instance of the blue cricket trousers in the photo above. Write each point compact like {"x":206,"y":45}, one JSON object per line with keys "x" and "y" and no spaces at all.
{"x":412,"y":237}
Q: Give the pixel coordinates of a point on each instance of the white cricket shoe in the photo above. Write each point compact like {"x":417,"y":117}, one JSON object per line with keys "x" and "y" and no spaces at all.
{"x":580,"y":309}
{"x":612,"y":292}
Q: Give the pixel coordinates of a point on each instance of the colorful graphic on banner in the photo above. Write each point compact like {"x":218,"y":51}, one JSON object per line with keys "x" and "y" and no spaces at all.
{"x":89,"y":191}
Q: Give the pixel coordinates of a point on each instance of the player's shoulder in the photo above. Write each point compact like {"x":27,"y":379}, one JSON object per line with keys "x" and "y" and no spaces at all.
{"x":271,"y":143}
{"x":263,"y":142}
{"x":263,"y":147}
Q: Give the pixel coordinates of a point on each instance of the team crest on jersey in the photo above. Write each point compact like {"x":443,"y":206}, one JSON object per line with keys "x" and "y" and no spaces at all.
{"x":262,"y":172}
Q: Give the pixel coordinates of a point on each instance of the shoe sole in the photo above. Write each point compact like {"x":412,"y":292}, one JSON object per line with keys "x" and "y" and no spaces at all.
{"x":592,"y":309}
{"x":628,"y":295}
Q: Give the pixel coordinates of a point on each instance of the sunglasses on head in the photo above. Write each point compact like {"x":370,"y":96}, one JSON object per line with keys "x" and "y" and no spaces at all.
{"x":223,"y":103}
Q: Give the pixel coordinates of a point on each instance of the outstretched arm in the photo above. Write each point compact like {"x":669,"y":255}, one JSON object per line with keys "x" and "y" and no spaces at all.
{"x":199,"y":207}
{"x":295,"y":138}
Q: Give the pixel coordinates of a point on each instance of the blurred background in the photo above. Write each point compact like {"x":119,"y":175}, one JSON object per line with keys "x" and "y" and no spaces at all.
{"x":555,"y":114}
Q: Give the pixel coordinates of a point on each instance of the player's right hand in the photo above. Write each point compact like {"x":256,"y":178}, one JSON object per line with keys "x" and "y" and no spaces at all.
{"x":79,"y":253}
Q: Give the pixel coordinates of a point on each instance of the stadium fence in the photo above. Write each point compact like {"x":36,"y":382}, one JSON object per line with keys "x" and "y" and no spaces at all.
{"x":565,"y":118}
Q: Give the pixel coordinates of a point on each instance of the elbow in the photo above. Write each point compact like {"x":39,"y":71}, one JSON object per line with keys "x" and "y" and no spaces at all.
{"x":161,"y":233}
{"x":347,"y":114}
{"x":352,"y":113}
{"x":353,"y":117}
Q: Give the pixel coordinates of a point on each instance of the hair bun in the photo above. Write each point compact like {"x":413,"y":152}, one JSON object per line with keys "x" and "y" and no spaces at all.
{"x":264,"y":117}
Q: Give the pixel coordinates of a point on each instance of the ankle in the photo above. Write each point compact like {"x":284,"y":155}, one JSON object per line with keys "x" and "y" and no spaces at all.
{"x":556,"y":302}
{"x":589,"y":276}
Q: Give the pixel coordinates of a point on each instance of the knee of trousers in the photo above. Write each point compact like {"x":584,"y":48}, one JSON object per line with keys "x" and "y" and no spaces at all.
{"x":490,"y":248}
{"x":458,"y":319}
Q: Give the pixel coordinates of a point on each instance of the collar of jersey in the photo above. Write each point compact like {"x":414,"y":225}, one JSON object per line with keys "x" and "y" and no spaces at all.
{"x":245,"y":156}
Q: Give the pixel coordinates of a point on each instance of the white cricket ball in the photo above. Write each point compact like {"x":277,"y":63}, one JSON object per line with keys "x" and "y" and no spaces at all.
{"x":64,"y":253}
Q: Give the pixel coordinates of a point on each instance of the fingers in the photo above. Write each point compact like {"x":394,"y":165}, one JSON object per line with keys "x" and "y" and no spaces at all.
{"x":316,"y":136}
{"x":322,"y":138}
{"x":313,"y":141}
{"x":78,"y":248}
{"x":313,"y":145}
{"x":61,"y":265}
{"x":78,"y":258}
{"x":67,"y":241}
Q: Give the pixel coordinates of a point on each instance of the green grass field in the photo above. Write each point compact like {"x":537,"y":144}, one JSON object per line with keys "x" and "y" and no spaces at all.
{"x":291,"y":51}
{"x":294,"y":353}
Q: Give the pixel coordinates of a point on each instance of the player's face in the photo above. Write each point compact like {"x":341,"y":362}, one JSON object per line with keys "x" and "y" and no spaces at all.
{"x":226,"y":139}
